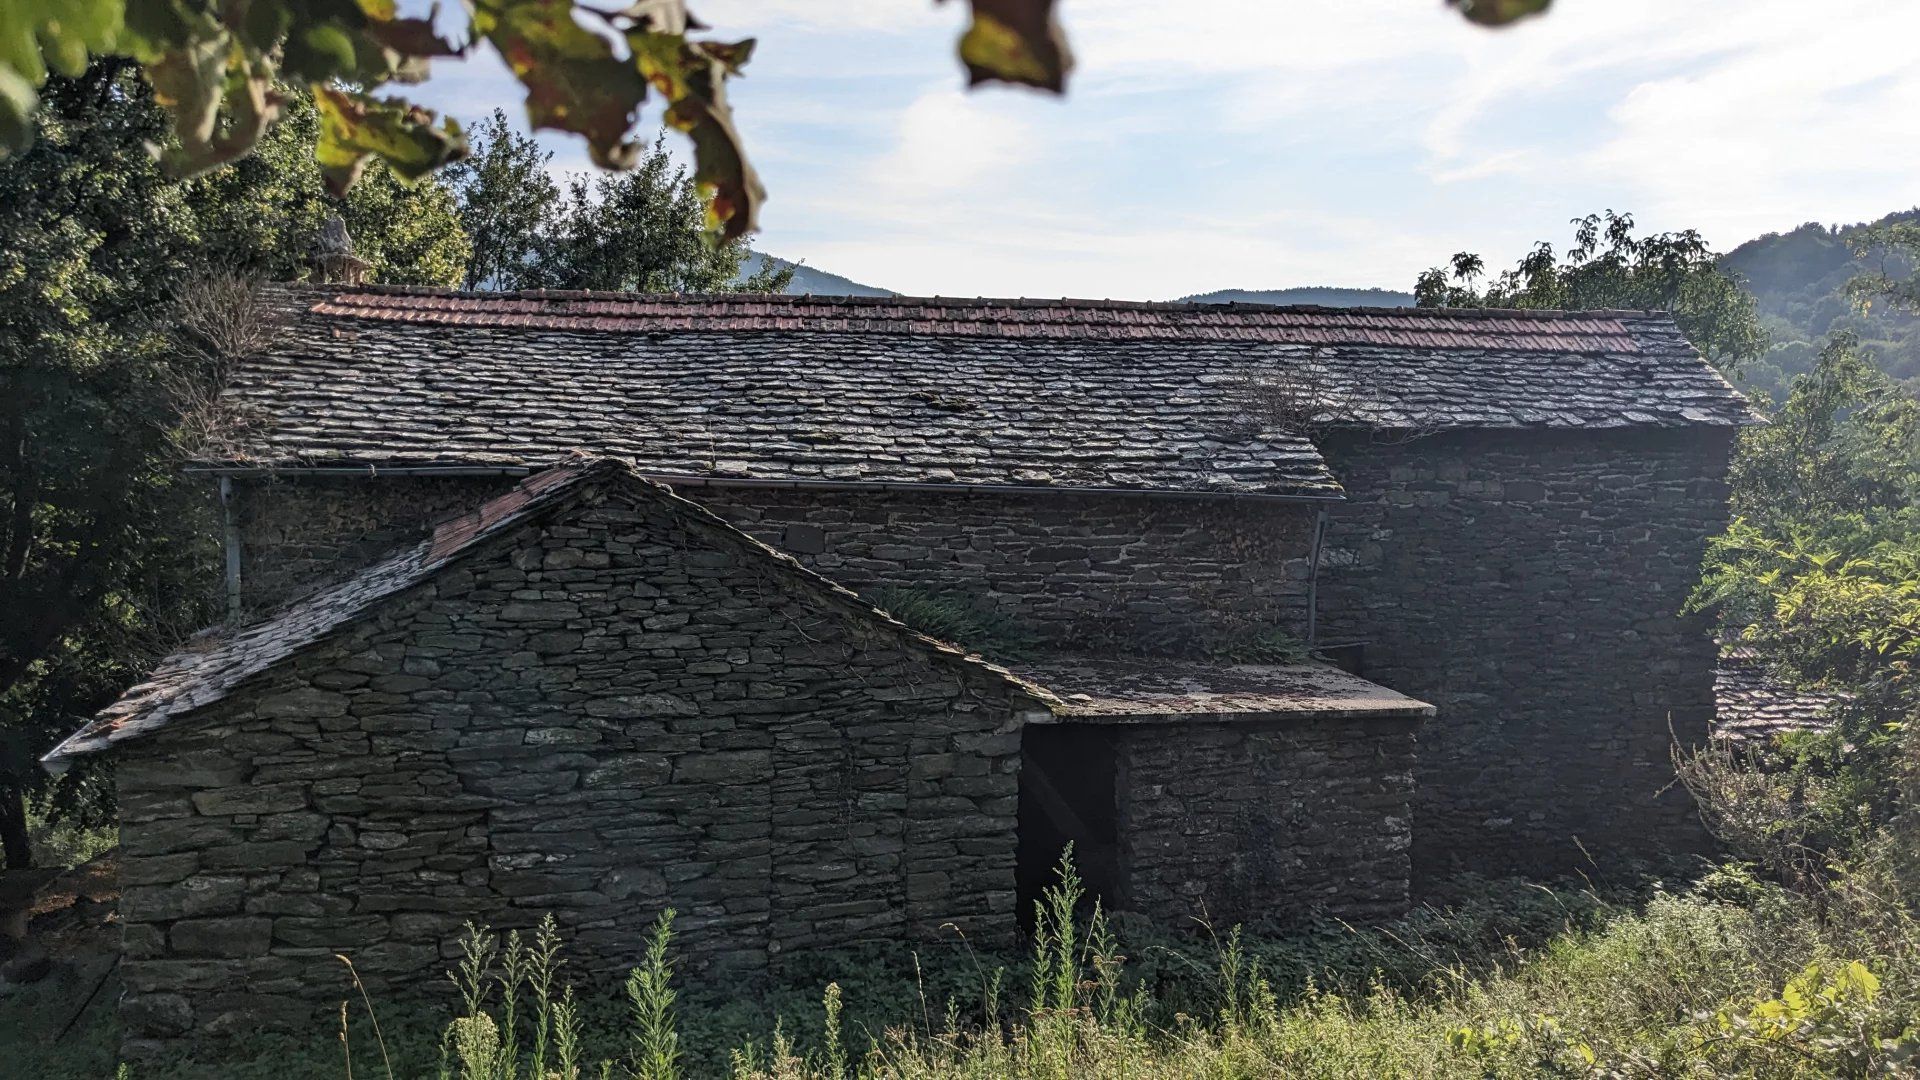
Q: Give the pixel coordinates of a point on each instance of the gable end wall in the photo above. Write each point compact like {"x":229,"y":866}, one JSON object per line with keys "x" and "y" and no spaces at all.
{"x":598,"y":719}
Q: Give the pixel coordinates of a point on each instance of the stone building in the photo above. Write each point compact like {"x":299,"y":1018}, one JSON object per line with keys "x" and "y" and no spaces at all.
{"x":473,"y":673}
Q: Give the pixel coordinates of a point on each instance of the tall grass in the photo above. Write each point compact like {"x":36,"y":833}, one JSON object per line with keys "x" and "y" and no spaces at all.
{"x":1731,"y":977}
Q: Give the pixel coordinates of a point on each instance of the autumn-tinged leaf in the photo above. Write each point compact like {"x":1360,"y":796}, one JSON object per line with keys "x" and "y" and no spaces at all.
{"x":355,"y":127}
{"x":218,"y":90}
{"x":412,"y":38}
{"x":1499,"y":12}
{"x":692,"y":76}
{"x":1017,"y":41}
{"x":574,"y":81}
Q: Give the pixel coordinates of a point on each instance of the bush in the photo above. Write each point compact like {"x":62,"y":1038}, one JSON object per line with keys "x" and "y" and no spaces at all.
{"x":955,"y":617}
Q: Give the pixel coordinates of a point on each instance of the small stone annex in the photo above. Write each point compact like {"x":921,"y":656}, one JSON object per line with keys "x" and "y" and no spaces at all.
{"x":566,"y":603}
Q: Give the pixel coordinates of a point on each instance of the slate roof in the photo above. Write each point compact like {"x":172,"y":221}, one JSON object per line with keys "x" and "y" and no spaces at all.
{"x":1141,"y":690}
{"x":217,"y":663}
{"x":1065,"y":394}
{"x":1752,"y":703}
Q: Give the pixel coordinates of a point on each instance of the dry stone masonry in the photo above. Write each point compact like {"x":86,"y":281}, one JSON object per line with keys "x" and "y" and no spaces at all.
{"x":488,"y":673}
{"x":1262,"y":821}
{"x":598,"y":714}
{"x":1529,"y":585}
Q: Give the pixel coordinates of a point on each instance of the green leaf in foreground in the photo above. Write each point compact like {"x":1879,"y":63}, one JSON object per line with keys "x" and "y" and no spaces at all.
{"x":41,"y":35}
{"x":1016,"y":41}
{"x":1499,"y":12}
{"x":355,"y":127}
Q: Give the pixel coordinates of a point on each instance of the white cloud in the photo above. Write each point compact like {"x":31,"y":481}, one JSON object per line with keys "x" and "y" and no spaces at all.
{"x":1263,"y":143}
{"x":1824,"y":115}
{"x":948,"y":140}
{"x":745,"y":18}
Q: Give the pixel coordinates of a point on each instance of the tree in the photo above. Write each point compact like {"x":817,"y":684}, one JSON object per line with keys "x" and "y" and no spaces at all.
{"x":261,"y":214}
{"x":1895,"y":281}
{"x":587,"y":70}
{"x":409,"y":234}
{"x":99,"y":556}
{"x":1609,"y":267}
{"x":643,"y":231}
{"x":1820,"y":569}
{"x":508,"y":203}
{"x":104,"y":546}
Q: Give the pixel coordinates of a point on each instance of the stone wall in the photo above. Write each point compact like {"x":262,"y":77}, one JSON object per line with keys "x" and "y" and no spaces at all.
{"x":1250,"y":821}
{"x":299,"y":533}
{"x":1085,"y":571}
{"x":597,"y":718}
{"x":1530,"y":586}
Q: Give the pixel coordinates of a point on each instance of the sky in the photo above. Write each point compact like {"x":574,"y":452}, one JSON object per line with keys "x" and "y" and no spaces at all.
{"x":1263,"y":144}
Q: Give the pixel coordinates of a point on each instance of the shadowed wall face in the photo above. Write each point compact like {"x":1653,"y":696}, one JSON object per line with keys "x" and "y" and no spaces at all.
{"x":1530,"y":586}
{"x":1085,"y":572}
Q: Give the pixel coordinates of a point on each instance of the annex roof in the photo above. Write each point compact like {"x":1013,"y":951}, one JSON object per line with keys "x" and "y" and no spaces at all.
{"x":214,"y":665}
{"x":1753,"y":703}
{"x":1160,"y":690}
{"x":1062,"y":394}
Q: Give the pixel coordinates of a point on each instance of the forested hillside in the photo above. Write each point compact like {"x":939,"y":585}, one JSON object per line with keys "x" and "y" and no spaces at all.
{"x":1799,"y":278}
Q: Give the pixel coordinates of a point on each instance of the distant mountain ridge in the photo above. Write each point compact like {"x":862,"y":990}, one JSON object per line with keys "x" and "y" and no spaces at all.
{"x":808,"y":280}
{"x":1798,"y":277}
{"x":1322,"y":295}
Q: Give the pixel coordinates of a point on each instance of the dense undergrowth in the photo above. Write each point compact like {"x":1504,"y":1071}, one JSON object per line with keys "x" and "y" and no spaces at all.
{"x":1726,"y":975}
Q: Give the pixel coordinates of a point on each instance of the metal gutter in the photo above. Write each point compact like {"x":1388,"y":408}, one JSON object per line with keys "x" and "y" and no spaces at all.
{"x":230,"y":538}
{"x":1313,"y":579}
{"x":690,"y":481}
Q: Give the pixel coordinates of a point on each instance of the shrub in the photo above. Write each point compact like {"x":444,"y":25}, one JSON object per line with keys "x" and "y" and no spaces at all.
{"x":957,"y":618}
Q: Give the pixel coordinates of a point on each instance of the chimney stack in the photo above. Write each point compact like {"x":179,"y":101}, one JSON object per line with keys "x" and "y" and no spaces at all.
{"x":334,"y":262}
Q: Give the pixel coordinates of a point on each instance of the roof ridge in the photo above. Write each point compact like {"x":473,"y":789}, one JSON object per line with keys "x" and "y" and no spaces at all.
{"x":1063,"y":303}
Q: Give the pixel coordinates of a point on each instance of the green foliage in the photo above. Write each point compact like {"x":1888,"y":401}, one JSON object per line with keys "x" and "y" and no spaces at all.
{"x":1732,"y":977}
{"x":642,"y":231}
{"x":1262,"y":645}
{"x":1826,"y":1014}
{"x":1609,"y":267}
{"x":956,"y":618}
{"x":1820,"y":569}
{"x":66,"y":841}
{"x":99,"y":563}
{"x":650,"y":996}
{"x":261,"y":214}
{"x":1892,"y":247}
{"x":508,"y":204}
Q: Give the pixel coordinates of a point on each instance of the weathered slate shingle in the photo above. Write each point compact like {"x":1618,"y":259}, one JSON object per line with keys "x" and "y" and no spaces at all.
{"x":1141,"y":690}
{"x":1067,"y":394}
{"x":1753,"y":703}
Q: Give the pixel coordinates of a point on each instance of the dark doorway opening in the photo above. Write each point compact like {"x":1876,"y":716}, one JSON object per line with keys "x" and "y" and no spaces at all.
{"x":1067,"y":795}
